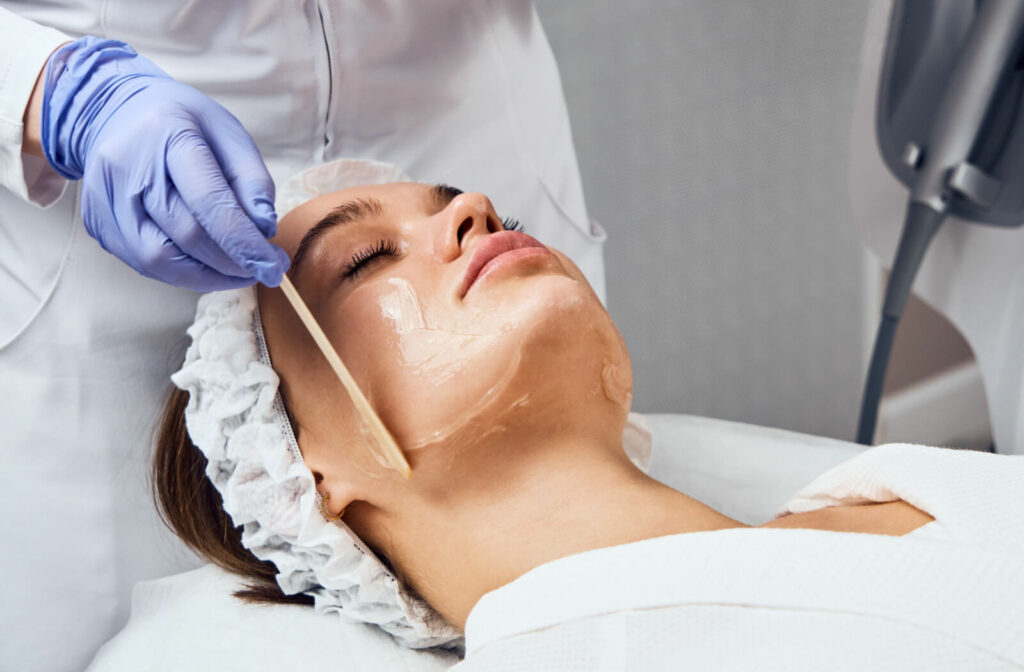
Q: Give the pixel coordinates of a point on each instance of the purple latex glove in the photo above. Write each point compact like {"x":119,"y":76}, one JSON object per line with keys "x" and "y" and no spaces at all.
{"x":172,"y":184}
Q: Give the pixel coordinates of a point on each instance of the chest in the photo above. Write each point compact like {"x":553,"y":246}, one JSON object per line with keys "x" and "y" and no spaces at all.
{"x":891,"y":518}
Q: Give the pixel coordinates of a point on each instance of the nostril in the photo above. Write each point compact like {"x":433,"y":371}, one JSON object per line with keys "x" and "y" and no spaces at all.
{"x":464,"y":228}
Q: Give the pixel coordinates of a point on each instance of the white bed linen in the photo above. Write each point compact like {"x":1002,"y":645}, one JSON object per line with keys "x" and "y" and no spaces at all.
{"x":807,"y":608}
{"x":789,"y":599}
{"x":191,"y":622}
{"x":934,"y":530}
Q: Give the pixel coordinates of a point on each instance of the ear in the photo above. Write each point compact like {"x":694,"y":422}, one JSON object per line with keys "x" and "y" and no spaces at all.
{"x":337,"y":494}
{"x":332,"y":484}
{"x":336,"y":474}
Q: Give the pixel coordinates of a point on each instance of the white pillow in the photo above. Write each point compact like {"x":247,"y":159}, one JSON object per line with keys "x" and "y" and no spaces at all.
{"x":746,"y":472}
{"x":192,"y":621}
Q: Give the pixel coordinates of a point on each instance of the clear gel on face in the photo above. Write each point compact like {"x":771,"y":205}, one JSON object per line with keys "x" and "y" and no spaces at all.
{"x":433,"y":356}
{"x":441,"y":362}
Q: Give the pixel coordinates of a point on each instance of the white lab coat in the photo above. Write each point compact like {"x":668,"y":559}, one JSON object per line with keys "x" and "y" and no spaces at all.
{"x":461,"y":92}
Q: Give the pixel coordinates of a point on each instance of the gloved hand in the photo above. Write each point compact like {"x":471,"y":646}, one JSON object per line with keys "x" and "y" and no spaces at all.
{"x":171,"y":182}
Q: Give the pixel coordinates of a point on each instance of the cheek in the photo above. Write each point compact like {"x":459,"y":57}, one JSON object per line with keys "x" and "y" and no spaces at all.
{"x":422,"y":367}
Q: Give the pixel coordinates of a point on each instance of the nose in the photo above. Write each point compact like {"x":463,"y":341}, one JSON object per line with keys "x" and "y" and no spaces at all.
{"x":465,"y":218}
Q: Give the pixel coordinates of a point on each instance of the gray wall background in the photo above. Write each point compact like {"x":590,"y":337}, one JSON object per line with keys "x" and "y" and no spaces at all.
{"x":713,"y":140}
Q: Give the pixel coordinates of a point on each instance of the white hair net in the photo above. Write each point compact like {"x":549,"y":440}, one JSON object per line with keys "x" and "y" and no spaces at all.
{"x":236,"y":417}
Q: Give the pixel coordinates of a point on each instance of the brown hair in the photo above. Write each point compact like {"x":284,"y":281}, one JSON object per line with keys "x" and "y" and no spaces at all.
{"x":190,"y":505}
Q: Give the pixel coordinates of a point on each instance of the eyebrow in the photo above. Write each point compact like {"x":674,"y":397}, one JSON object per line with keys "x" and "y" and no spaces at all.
{"x":356,"y":210}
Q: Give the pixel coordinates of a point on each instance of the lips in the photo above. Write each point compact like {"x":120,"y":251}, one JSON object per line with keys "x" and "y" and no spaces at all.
{"x":491,"y":246}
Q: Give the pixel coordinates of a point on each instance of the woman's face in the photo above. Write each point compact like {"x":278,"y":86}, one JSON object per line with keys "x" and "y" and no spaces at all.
{"x":461,"y":334}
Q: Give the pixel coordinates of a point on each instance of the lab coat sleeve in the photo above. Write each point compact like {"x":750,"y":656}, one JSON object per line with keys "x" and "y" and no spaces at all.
{"x":24,"y":48}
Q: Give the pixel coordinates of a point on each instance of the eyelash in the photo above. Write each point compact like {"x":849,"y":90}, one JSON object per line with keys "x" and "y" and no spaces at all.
{"x":388,"y":248}
{"x":512,"y":224}
{"x":364,"y":256}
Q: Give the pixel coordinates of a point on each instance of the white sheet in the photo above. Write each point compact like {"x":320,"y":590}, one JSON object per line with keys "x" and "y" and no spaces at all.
{"x":191,"y":623}
{"x":782,"y":599}
{"x":752,"y":599}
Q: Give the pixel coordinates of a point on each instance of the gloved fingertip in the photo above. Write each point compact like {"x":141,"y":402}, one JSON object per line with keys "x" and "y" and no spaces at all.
{"x":271,"y":278}
{"x":269,"y":270}
{"x":265,"y":208}
{"x":282,"y":259}
{"x":266,"y":217}
{"x":271,"y":274}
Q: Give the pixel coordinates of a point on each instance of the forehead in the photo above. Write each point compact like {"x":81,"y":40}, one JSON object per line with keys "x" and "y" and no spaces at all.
{"x":399,"y":197}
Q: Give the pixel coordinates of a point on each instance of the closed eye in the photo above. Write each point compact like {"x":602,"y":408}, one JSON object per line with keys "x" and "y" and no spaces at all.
{"x":364,"y":257}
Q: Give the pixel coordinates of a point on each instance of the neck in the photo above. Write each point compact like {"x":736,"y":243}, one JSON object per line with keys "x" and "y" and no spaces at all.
{"x":558,"y":500}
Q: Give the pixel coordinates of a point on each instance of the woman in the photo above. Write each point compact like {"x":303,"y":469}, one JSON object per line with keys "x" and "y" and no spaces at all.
{"x":506,"y":383}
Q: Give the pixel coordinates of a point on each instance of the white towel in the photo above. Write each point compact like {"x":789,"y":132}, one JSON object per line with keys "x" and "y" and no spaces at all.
{"x":789,"y":599}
